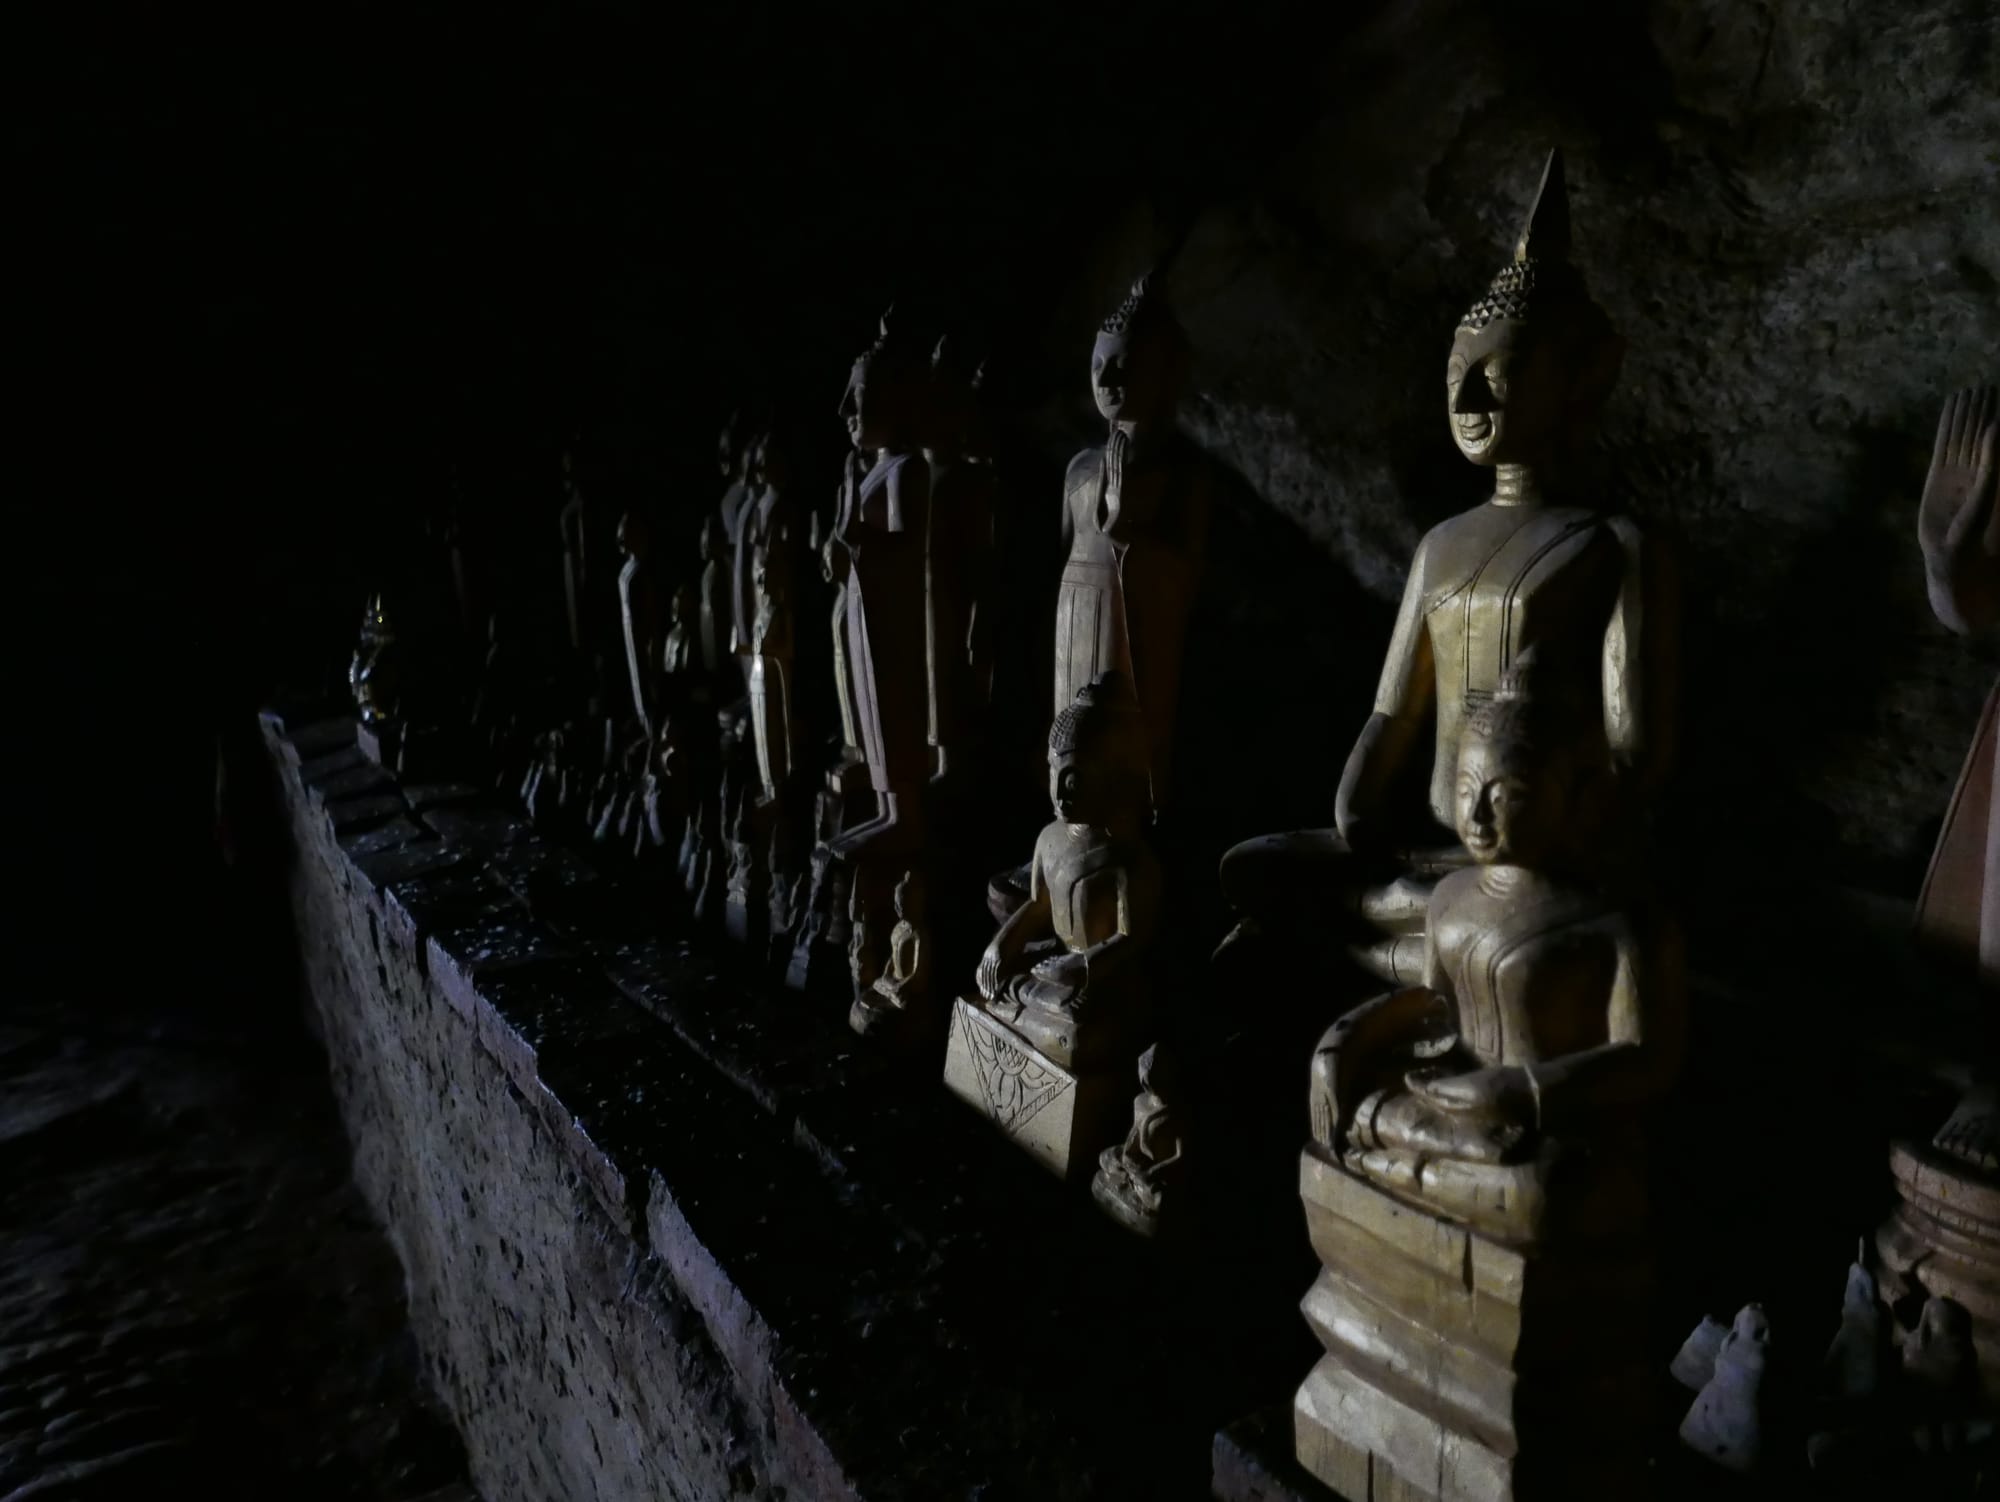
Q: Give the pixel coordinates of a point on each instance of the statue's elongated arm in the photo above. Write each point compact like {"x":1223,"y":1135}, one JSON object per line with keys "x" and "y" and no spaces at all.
{"x":1403,"y":697}
{"x":1032,"y":920}
{"x":1642,"y":1054}
{"x":1642,"y":658}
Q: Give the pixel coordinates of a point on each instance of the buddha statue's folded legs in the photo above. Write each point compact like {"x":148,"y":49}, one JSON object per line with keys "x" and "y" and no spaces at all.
{"x":1287,"y":886}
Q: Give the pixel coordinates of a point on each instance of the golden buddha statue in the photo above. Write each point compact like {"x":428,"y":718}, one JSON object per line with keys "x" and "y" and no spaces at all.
{"x":1135,"y":521}
{"x":1530,"y":363}
{"x":899,"y":997}
{"x":1477,"y":1141}
{"x":833,"y":568}
{"x":683,"y":636}
{"x":1944,"y":1236}
{"x":639,"y":605}
{"x":715,"y":600}
{"x":1135,"y":530}
{"x":1046,"y":1047}
{"x":1134,"y":1180}
{"x":371,"y":672}
{"x":958,"y":554}
{"x":883,"y":523}
{"x":764,"y":634}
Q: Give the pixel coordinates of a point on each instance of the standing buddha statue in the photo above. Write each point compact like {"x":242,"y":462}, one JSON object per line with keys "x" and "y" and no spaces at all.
{"x":958,"y":555}
{"x":1530,"y":364}
{"x":767,"y":544}
{"x":645,"y":626}
{"x":1135,"y":528}
{"x":883,"y":522}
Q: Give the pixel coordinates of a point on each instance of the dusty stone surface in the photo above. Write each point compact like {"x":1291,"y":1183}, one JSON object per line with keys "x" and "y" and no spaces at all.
{"x":668,"y":1234}
{"x":194,"y":1299}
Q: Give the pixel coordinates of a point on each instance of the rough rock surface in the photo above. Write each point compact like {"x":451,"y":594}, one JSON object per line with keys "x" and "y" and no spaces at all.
{"x":1791,"y":211}
{"x":194,"y":1300}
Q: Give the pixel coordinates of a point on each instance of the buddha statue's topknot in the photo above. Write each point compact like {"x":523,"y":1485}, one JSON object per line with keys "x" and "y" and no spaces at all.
{"x":1144,"y":313}
{"x":1540,"y":281}
{"x":1103,"y":722}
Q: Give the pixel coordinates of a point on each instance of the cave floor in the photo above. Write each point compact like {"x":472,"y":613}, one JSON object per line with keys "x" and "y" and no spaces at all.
{"x":192,"y":1294}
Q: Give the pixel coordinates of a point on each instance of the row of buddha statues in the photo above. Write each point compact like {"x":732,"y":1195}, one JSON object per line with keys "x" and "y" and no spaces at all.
{"x":1474,"y":1182}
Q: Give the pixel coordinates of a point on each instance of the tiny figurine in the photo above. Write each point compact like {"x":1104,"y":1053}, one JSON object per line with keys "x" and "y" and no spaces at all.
{"x":372,"y":674}
{"x":1045,"y":1048}
{"x":899,"y":998}
{"x":1134,"y":1181}
{"x":1729,"y":1422}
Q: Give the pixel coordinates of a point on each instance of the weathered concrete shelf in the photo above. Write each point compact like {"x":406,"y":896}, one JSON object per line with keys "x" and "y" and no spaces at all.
{"x":669,"y":1234}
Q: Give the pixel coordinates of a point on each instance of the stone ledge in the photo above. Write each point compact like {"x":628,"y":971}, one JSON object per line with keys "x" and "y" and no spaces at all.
{"x":669,"y":1233}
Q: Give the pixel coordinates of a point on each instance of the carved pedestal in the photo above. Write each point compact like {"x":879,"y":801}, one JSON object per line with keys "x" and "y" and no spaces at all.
{"x":1460,"y":1369}
{"x":1944,"y":1238}
{"x":1062,"y":1120}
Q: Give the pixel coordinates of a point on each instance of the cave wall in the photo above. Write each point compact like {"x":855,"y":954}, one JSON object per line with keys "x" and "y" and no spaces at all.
{"x":1792,"y":211}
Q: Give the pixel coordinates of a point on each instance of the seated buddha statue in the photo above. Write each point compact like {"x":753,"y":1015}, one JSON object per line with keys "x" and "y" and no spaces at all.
{"x":1134,"y":1180}
{"x":1065,"y":970}
{"x":1530,"y":363}
{"x":900,"y":995}
{"x":1550,"y":1008}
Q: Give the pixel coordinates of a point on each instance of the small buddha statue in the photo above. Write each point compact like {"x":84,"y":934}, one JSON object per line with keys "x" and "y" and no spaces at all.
{"x":1476,"y":1164}
{"x":958,"y":562}
{"x":765,"y":634}
{"x":900,"y":995}
{"x":1045,"y":1048}
{"x":1550,"y":1009}
{"x":372,"y":674}
{"x":715,"y":596}
{"x":733,"y":455}
{"x":1530,"y":363}
{"x":684,"y":635}
{"x":639,"y":605}
{"x":1134,"y":1179}
{"x":587,"y":575}
{"x":883,"y":522}
{"x":1065,"y":971}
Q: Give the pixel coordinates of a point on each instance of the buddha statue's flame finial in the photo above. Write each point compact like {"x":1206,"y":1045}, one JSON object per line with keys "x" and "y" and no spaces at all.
{"x":1539,"y":282}
{"x":1545,"y":232}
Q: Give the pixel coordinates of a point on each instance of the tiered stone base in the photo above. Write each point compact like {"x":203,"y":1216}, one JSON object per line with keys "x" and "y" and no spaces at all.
{"x":1460,"y":1369}
{"x":1944,"y":1238}
{"x":1062,"y":1120}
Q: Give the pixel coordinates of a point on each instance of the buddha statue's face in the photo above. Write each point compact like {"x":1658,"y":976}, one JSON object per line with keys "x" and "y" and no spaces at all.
{"x":868,"y":409}
{"x":1507,"y":392}
{"x":910,"y":898}
{"x":1076,"y":787}
{"x":1127,"y":378}
{"x":1508,"y":802}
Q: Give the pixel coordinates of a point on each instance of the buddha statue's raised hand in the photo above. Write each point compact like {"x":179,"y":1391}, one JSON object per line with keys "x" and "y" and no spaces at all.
{"x":1958,"y":523}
